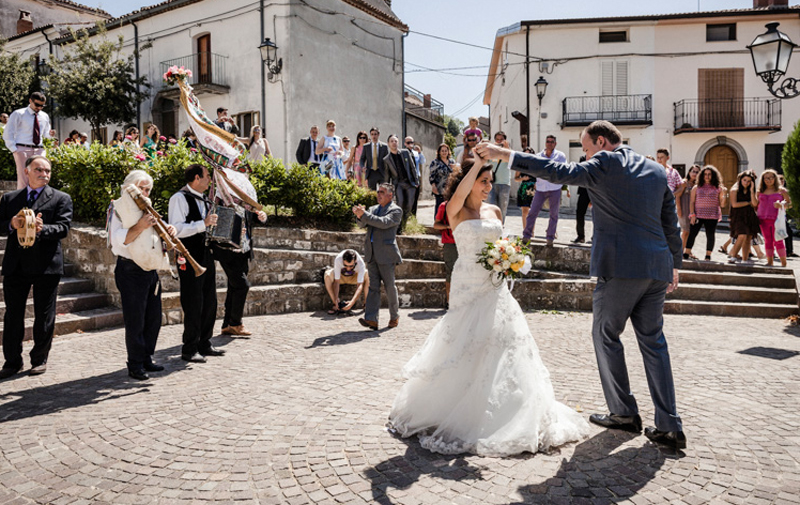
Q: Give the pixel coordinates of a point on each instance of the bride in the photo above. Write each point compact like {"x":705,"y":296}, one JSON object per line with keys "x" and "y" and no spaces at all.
{"x":478,"y":384}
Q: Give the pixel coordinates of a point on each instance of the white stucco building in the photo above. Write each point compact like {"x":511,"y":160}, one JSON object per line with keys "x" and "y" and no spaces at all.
{"x":684,"y":82}
{"x":341,"y":60}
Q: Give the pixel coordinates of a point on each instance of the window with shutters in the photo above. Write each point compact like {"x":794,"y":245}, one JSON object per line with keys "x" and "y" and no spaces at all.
{"x":720,"y":92}
{"x":613,"y":77}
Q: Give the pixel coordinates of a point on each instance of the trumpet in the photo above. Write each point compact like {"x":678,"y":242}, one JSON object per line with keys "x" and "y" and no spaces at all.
{"x":161,"y":228}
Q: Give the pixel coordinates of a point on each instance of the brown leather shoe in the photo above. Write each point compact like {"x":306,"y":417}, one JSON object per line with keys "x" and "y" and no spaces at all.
{"x":236,"y":330}
{"x":394,"y":322}
{"x":38,"y":369}
{"x":373,"y":325}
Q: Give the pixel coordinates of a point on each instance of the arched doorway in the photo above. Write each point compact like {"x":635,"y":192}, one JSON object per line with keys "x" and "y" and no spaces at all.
{"x":727,"y":162}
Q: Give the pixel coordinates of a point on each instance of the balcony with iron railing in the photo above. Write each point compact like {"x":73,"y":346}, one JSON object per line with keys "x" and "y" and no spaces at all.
{"x":727,"y":114}
{"x":423,"y":105}
{"x":619,"y":109}
{"x":209,"y":73}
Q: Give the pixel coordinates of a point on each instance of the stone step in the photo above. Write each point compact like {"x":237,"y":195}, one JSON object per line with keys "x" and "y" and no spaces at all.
{"x":85,"y":320}
{"x":67,"y":286}
{"x":69,"y":303}
{"x":754,"y":310}
{"x":734,"y":294}
{"x":717,"y":266}
{"x":764,"y":280}
{"x":6,"y":186}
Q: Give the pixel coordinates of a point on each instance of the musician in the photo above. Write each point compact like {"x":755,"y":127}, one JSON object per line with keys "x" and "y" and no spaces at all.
{"x":40,"y":266}
{"x":140,"y":255}
{"x":236,"y":263}
{"x":189,"y":213}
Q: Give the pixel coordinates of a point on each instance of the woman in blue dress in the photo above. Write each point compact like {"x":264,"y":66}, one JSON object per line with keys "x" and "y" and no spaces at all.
{"x":332,"y":164}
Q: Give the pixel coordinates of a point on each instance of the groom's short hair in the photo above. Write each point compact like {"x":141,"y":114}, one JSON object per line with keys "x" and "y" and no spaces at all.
{"x":605,"y":129}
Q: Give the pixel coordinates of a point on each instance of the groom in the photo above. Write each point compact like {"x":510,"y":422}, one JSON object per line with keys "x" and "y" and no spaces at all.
{"x":635,"y":256}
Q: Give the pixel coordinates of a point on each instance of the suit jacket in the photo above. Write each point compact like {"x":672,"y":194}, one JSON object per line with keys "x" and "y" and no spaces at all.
{"x":303,"y":152}
{"x":380,"y":244}
{"x":409,"y":167}
{"x":366,"y":160}
{"x":45,"y":256}
{"x":636,"y":232}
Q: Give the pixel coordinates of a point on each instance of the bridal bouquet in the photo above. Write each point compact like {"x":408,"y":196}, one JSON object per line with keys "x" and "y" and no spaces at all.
{"x":506,"y":259}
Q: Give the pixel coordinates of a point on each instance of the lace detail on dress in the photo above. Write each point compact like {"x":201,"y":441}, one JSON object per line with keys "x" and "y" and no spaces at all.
{"x":478,"y":383}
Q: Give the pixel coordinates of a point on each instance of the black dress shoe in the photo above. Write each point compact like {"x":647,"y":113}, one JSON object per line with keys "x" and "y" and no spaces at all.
{"x":578,"y":240}
{"x":674,"y":439}
{"x":613,"y":421}
{"x":138,"y":374}
{"x":213,"y":351}
{"x":193,"y":358}
{"x":5,"y":373}
{"x":152,"y":367}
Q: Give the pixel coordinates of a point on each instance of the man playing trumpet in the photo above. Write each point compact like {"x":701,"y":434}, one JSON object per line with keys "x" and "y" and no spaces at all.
{"x":39,"y":266}
{"x":140,"y":255}
{"x":189,"y":213}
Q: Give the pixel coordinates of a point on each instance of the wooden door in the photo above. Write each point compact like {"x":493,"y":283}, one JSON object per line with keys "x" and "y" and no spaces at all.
{"x":727,"y":162}
{"x":204,"y":59}
{"x":721,"y":97}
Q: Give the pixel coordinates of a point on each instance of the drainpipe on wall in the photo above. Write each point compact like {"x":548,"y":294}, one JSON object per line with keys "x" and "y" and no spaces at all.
{"x":50,"y":50}
{"x":263,"y":75}
{"x":403,"y":86}
{"x":528,"y":82}
{"x":136,"y":50}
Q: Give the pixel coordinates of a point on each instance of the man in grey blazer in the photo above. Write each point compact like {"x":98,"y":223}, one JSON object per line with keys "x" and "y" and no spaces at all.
{"x":372,"y":159}
{"x":635,"y":256}
{"x":402,"y":171}
{"x":382,"y":254}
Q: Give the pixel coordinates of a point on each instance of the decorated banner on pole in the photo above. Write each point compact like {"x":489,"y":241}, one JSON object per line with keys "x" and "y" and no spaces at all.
{"x":221,"y":149}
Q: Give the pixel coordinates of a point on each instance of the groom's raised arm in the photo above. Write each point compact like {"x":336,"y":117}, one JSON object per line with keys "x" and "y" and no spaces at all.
{"x":575,"y":174}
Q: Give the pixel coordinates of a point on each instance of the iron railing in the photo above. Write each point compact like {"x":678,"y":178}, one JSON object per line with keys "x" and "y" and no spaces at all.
{"x":206,"y":67}
{"x":722,"y":114}
{"x":619,"y":109}
{"x":423,"y":105}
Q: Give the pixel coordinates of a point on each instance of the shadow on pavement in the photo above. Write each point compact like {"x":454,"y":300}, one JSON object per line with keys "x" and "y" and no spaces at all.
{"x":599,"y":473}
{"x":345,"y":337}
{"x":427,"y":314}
{"x":40,"y":401}
{"x":401,"y":472}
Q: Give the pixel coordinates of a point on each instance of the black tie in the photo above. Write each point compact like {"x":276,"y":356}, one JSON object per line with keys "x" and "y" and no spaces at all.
{"x":32,"y":199}
{"x":314,"y":150}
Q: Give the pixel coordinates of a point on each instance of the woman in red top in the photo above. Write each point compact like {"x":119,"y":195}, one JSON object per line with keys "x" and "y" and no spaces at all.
{"x":705,"y":208}
{"x":442,"y":224}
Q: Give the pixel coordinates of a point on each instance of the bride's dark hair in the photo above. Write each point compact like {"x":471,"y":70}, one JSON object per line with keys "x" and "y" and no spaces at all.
{"x":458,"y":175}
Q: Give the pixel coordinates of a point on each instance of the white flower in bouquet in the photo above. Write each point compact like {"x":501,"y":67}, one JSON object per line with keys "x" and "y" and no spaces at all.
{"x":506,"y":265}
{"x":494,"y":253}
{"x":497,"y":268}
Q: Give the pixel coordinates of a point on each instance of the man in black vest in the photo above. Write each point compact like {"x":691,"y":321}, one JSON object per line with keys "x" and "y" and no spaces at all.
{"x":39,"y":266}
{"x":189,"y":214}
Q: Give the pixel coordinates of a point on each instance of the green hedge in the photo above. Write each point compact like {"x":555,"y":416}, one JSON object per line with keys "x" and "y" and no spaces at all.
{"x":92,"y":177}
{"x":8,"y":169}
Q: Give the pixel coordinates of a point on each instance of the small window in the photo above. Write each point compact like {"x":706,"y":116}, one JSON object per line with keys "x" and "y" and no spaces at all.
{"x":613,"y":36}
{"x":245,"y":121}
{"x":715,"y":33}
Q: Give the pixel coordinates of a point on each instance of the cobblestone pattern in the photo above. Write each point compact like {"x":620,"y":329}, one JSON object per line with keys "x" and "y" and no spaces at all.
{"x":295,"y":414}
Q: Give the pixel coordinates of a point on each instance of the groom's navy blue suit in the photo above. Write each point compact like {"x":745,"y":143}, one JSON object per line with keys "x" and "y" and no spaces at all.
{"x":635,"y":247}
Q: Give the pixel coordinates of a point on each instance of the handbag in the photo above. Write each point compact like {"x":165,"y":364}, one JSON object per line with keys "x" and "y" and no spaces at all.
{"x":780,"y":226}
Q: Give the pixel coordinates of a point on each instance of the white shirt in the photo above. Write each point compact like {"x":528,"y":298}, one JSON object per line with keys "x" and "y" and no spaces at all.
{"x":543,"y":185}
{"x":338,"y":266}
{"x":179,"y":209}
{"x":118,"y":235}
{"x":19,"y":129}
{"x":419,"y":158}
{"x":314,"y":158}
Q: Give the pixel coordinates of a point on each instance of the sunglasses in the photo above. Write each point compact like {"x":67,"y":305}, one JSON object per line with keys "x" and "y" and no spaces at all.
{"x":409,"y":143}
{"x":362,"y":138}
{"x":37,"y":104}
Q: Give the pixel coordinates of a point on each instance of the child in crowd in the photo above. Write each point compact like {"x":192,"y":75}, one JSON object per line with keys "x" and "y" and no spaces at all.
{"x":771,"y":197}
{"x":473,"y":129}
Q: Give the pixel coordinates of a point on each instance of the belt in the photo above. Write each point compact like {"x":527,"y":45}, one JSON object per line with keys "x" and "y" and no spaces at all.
{"x":30,"y":145}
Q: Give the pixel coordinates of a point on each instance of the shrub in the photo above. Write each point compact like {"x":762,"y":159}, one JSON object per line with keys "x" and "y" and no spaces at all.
{"x":790,"y":163}
{"x":93,"y":176}
{"x":8,"y":168}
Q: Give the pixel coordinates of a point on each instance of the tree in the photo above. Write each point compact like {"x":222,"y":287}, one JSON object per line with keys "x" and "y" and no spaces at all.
{"x":95,"y":83}
{"x":790,"y":162}
{"x":454,"y":125}
{"x":16,"y":78}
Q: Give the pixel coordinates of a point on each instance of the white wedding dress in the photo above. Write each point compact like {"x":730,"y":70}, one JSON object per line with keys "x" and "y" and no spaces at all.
{"x":478,"y":384}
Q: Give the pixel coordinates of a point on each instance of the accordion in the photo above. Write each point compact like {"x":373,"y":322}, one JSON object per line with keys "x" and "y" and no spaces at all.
{"x":229,"y":230}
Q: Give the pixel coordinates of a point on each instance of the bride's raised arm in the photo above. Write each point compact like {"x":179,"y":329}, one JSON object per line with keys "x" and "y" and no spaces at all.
{"x":456,"y":202}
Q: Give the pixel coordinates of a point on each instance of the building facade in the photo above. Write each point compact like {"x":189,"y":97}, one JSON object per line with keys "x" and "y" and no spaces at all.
{"x":684,"y":82}
{"x":21,"y":16}
{"x":339,"y":59}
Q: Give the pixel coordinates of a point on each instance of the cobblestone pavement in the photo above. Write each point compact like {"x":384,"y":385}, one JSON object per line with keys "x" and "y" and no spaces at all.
{"x":295,"y":415}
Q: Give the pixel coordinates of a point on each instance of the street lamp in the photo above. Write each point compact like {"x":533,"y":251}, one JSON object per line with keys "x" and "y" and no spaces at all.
{"x":269,"y":55}
{"x":771,"y":52}
{"x":541,"y":89}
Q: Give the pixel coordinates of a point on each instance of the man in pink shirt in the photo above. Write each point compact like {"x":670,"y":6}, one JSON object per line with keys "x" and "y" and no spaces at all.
{"x":674,"y":179}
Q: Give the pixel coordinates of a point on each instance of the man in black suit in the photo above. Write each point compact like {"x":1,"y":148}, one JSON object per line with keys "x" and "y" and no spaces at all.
{"x":40,"y":266}
{"x":403,"y":171}
{"x":307,"y":149}
{"x":372,"y":160}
